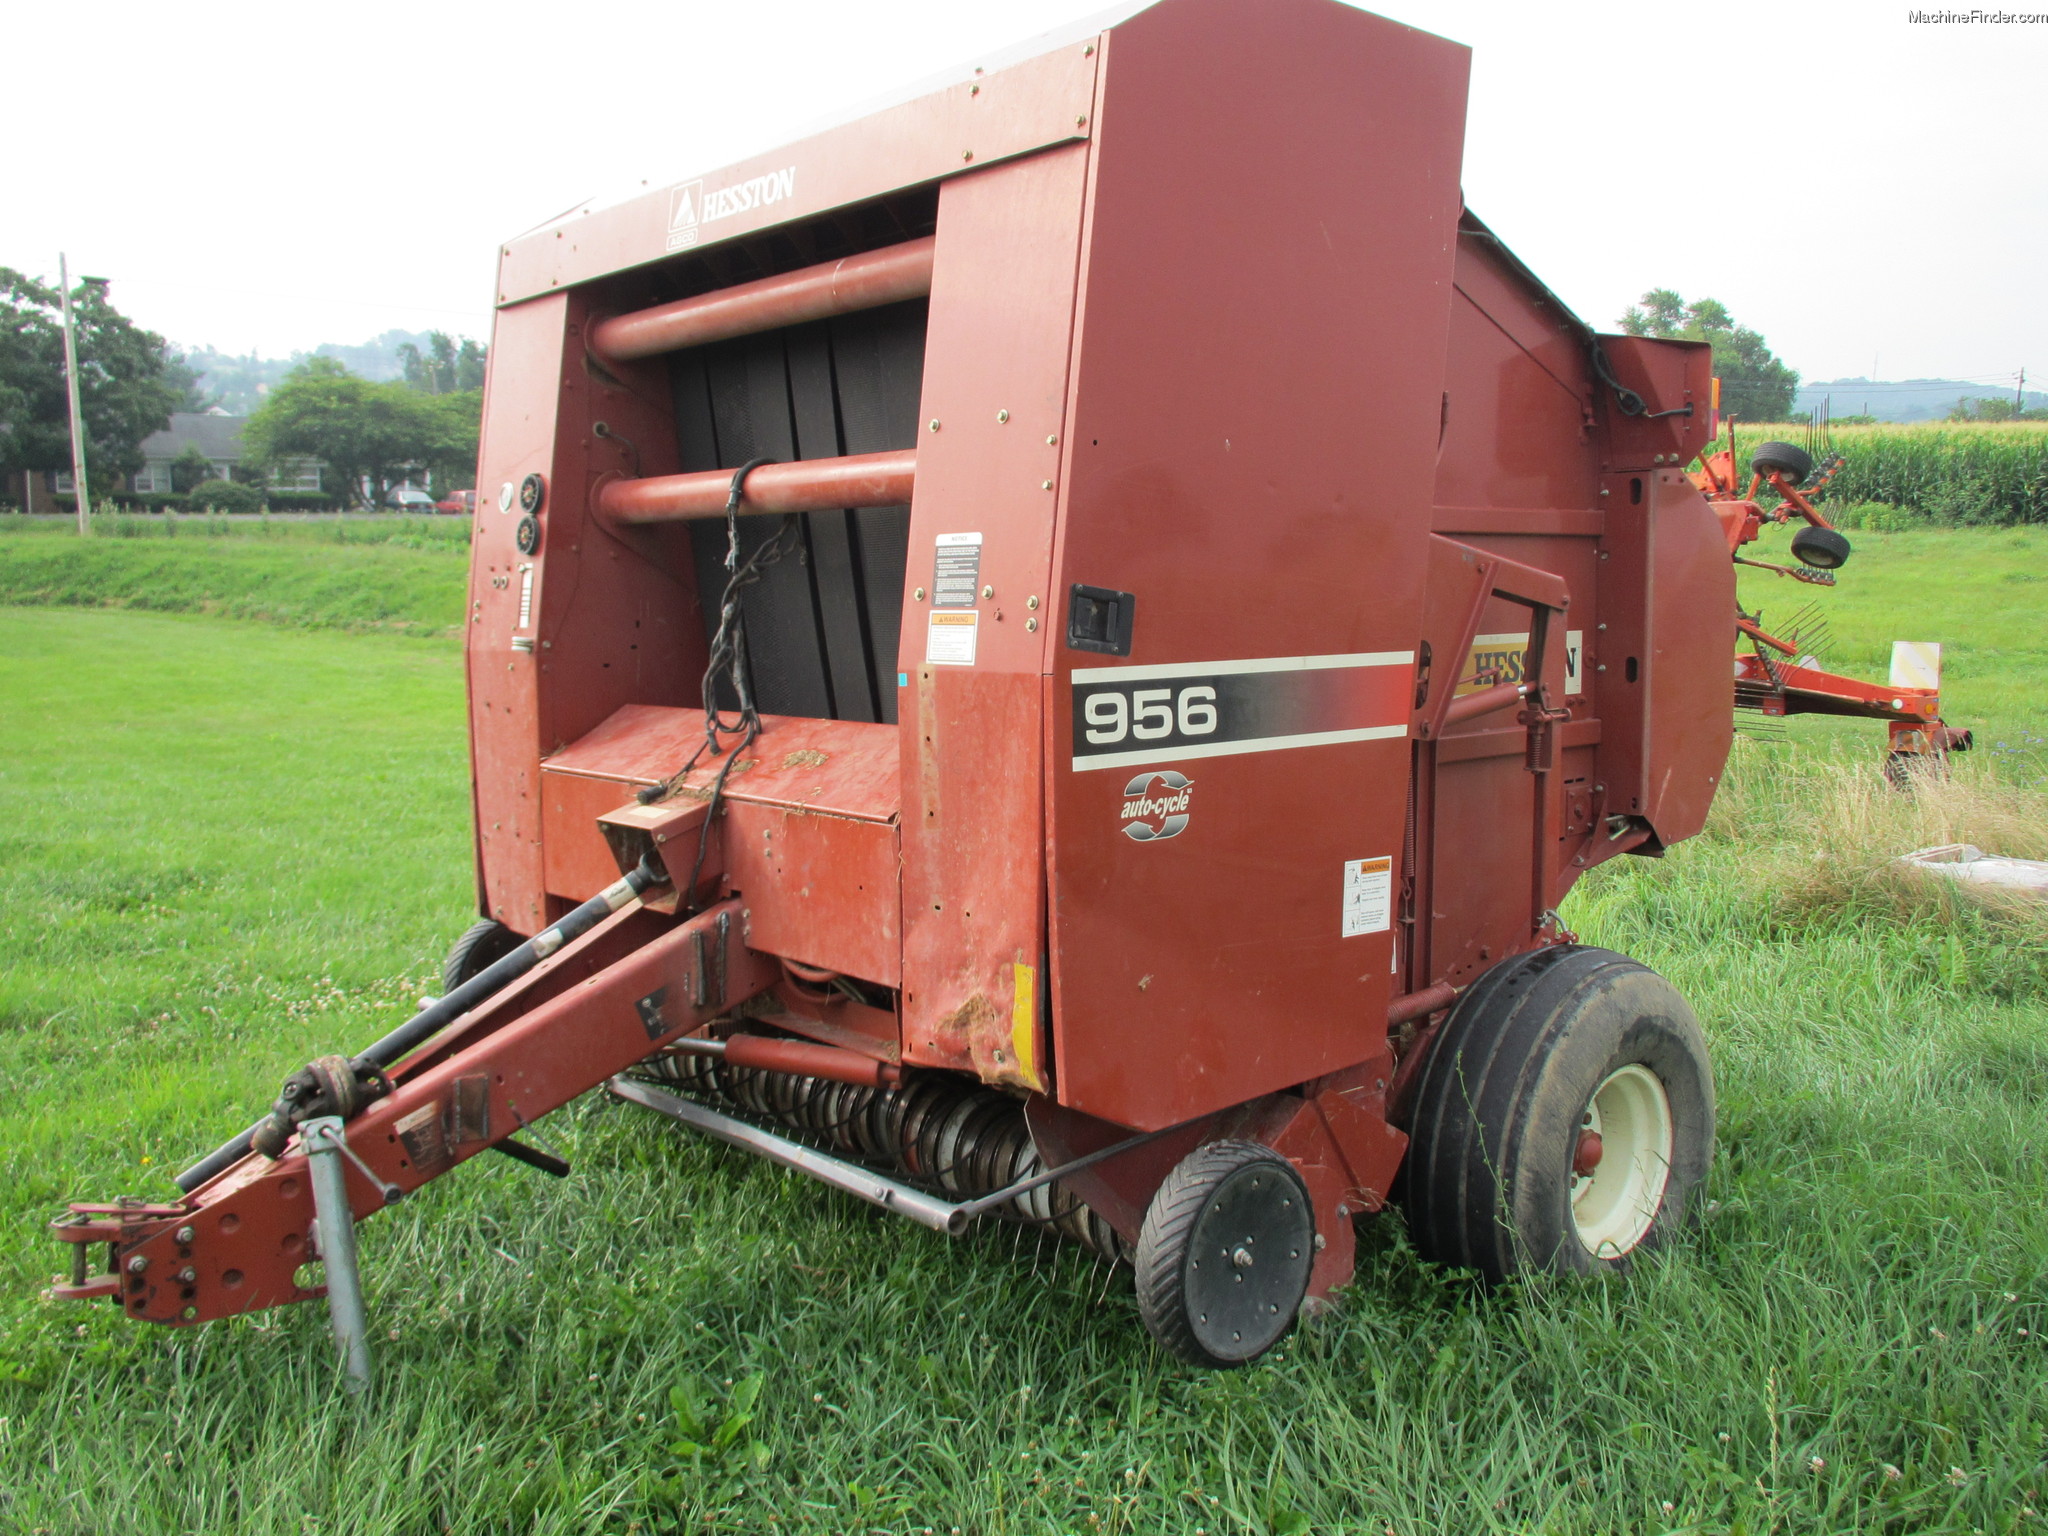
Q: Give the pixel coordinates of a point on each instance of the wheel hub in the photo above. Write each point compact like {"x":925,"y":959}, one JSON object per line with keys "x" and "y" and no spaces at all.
{"x":1248,"y":1262}
{"x":1621,"y":1161}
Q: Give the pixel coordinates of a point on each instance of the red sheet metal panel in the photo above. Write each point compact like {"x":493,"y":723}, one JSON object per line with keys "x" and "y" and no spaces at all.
{"x":820,"y":890}
{"x":834,"y":767}
{"x":808,"y":836}
{"x":981,"y":530}
{"x":1257,"y":404}
{"x":1665,"y":699}
{"x":1005,"y":113}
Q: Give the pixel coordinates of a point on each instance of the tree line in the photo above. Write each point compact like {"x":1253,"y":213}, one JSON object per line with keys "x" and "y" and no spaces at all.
{"x":370,"y":434}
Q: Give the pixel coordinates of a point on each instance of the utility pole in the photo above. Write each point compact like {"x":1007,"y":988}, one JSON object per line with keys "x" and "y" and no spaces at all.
{"x":77,"y":412}
{"x":2019,"y":396}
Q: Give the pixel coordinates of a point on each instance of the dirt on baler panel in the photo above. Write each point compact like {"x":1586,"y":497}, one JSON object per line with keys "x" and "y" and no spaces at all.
{"x":1040,"y":654}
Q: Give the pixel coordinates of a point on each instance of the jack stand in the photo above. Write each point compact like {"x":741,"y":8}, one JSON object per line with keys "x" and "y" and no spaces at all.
{"x":325,"y":1147}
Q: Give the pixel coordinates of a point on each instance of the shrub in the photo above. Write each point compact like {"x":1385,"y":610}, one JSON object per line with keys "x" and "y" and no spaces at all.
{"x":222,"y":496}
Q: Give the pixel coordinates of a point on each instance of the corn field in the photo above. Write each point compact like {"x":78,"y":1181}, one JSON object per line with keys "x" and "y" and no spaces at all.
{"x":1901,"y":476}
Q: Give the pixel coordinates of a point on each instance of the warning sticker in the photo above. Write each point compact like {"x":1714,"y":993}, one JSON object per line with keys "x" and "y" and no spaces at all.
{"x":950,"y":639}
{"x":956,"y":571}
{"x":1368,"y":896}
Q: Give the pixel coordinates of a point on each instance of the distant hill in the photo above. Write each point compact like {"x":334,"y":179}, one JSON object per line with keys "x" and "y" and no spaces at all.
{"x":1898,"y":399}
{"x":242,"y":382}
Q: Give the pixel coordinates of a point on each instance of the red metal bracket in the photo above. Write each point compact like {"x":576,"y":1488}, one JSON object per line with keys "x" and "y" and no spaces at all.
{"x":238,"y":1243}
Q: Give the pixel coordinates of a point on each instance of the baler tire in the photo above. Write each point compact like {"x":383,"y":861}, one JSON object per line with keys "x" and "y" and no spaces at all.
{"x":1171,"y":1248}
{"x":1788,"y":459}
{"x":481,"y":947}
{"x":1514,"y":1079}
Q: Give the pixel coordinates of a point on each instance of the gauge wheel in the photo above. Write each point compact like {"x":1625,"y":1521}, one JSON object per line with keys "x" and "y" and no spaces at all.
{"x":477,"y":951}
{"x":1822,"y":548}
{"x":1224,"y":1256}
{"x":1788,"y":459}
{"x":1564,"y":1118}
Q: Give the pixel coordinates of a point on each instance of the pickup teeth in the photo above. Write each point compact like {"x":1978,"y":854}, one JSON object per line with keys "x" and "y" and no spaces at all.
{"x":951,"y":1137}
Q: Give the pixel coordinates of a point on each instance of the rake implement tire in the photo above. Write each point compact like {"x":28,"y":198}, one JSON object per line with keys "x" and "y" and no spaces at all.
{"x":1224,"y":1256}
{"x":1822,"y":548}
{"x":1543,"y":1051}
{"x":1788,"y":459}
{"x":483,"y":946}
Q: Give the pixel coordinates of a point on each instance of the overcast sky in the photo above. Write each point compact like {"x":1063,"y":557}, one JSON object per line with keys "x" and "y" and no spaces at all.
{"x":1867,"y":192}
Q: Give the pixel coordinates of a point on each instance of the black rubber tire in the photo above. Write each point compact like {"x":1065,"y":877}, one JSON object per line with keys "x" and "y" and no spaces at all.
{"x":1822,"y":548}
{"x":1788,"y":459}
{"x":1505,"y":1089}
{"x":484,"y":945}
{"x":1252,"y":1187}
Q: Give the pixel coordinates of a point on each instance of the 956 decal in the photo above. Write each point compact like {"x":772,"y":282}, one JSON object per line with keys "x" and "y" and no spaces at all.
{"x":1130,"y":716}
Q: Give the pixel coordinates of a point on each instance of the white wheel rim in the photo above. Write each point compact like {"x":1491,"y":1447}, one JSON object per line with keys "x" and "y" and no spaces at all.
{"x":1614,"y":1206}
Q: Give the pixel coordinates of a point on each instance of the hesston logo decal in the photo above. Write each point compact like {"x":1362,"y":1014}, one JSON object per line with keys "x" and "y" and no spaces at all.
{"x":690,"y":206}
{"x":1149,"y":817}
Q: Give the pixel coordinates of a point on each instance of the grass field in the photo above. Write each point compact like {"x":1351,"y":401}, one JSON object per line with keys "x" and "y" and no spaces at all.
{"x":231,"y":846}
{"x":402,"y":574}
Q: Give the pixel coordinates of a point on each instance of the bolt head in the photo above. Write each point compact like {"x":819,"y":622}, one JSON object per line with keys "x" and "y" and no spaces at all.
{"x":1002,"y":415}
{"x":918,"y":594}
{"x":1031,"y":602}
{"x":187,"y":1275}
{"x":185,"y":1235}
{"x":1031,"y":624}
{"x":137,"y":1264}
{"x":988,"y":591}
{"x":1242,"y":1258}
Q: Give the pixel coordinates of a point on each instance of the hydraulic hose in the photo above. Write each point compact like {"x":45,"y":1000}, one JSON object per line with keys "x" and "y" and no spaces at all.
{"x":443,"y":1011}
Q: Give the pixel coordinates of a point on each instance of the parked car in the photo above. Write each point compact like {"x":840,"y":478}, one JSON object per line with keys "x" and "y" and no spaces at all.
{"x":457,"y":501}
{"x":405,"y":499}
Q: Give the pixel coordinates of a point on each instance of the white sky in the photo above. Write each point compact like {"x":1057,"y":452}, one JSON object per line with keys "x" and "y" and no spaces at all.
{"x":1864,"y":191}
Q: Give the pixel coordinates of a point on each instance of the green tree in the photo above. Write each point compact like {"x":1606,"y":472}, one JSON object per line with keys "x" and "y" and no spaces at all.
{"x":368,"y":434}
{"x":1755,"y":384}
{"x":129,"y":381}
{"x":444,"y":368}
{"x":1994,"y":408}
{"x":190,"y":468}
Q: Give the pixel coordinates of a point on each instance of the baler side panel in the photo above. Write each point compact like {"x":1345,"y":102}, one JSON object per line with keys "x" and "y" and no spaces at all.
{"x":1515,"y":399}
{"x":996,"y":364}
{"x":609,"y":618}
{"x":1266,"y":289}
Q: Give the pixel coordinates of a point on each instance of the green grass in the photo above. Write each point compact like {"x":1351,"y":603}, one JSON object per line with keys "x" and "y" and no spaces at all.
{"x":1945,"y":473}
{"x":229,"y":847}
{"x":392,"y":573}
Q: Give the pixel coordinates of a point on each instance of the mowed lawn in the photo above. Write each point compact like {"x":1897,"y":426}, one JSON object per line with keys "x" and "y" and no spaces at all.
{"x":227,"y":846}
